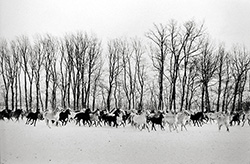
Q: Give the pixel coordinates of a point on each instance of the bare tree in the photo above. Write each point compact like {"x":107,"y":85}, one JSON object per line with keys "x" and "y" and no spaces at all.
{"x":206,"y":66}
{"x":17,"y":71}
{"x":227,"y":88}
{"x":140,"y":68}
{"x":39,"y":56}
{"x":240,"y":66}
{"x":24,"y":49}
{"x":50,"y":49}
{"x":5,"y":72}
{"x":54,"y":81}
{"x":113,"y":68}
{"x":221,"y":57}
{"x":192,"y":39}
{"x":128,"y":80}
{"x":97,"y":82}
{"x":12,"y":61}
{"x":191,"y":83}
{"x":74,"y":49}
{"x":93,"y":65}
{"x":159,"y":52}
{"x":63,"y":73}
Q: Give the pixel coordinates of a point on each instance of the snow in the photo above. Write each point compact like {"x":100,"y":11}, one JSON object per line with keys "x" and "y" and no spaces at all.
{"x":20,"y":143}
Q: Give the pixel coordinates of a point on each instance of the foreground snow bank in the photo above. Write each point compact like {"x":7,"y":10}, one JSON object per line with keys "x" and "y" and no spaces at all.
{"x":21,"y":143}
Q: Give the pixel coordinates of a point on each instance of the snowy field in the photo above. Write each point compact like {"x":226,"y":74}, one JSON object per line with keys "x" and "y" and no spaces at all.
{"x":71,"y":144}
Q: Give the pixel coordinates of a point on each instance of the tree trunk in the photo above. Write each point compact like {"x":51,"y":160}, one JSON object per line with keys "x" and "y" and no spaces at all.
{"x":7,"y":99}
{"x":12,"y":95}
{"x":30,"y":99}
{"x":184,"y":81}
{"x":202,"y":98}
{"x":219,"y":93}
{"x":207,"y":99}
{"x":26,"y":92}
{"x":235,"y":95}
{"x":37,"y":94}
{"x":20,"y":90}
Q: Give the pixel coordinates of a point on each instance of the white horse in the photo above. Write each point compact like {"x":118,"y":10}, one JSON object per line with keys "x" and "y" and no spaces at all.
{"x":223,"y":119}
{"x":183,"y":118}
{"x":247,"y":118}
{"x":171,"y":120}
{"x":52,"y":116}
{"x":140,"y":120}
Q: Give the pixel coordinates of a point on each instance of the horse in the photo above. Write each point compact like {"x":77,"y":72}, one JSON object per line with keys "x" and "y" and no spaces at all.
{"x":33,"y":116}
{"x":198,"y":118}
{"x":111,"y":117}
{"x":64,"y":116}
{"x":17,"y":113}
{"x":236,"y":118}
{"x":183,"y":118}
{"x":223,"y":119}
{"x":84,"y":116}
{"x":52,"y":116}
{"x":156,"y":119}
{"x":140,"y":120}
{"x":95,"y":118}
{"x":212,"y":116}
{"x":6,"y":113}
{"x":172,"y":120}
{"x":246,"y":118}
{"x":120,"y":119}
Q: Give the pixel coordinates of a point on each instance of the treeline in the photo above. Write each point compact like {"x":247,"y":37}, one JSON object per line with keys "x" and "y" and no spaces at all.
{"x":185,"y":70}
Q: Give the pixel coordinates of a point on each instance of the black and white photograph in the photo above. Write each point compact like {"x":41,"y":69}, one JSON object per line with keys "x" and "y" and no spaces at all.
{"x":124,"y":82}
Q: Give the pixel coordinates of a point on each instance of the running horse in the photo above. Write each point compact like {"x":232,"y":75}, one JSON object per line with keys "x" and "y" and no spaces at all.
{"x":52,"y":116}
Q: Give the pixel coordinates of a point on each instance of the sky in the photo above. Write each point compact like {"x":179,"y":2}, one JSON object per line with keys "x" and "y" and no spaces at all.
{"x":225,"y":20}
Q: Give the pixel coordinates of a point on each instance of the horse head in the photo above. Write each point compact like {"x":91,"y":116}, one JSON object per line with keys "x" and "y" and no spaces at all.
{"x":67,"y":111}
{"x":88,"y":110}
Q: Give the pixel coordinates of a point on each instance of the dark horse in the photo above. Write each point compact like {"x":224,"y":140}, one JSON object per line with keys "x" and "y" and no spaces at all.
{"x":198,"y":118}
{"x":236,"y":118}
{"x":156,"y":119}
{"x":111,"y":118}
{"x":64,"y":117}
{"x":17,"y":114}
{"x":84,"y":116}
{"x":6,"y":113}
{"x":33,"y":117}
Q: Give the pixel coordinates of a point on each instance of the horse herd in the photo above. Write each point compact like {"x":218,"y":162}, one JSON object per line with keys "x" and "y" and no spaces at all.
{"x":117,"y":117}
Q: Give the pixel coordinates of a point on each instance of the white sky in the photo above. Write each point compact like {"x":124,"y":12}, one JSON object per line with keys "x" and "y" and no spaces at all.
{"x":225,"y":20}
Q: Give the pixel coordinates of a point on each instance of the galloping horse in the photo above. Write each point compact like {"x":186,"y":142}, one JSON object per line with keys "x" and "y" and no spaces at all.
{"x":140,"y":120}
{"x":64,"y":116}
{"x":52,"y":116}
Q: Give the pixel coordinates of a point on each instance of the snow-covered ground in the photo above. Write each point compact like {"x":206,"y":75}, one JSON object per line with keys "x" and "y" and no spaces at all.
{"x":20,"y":143}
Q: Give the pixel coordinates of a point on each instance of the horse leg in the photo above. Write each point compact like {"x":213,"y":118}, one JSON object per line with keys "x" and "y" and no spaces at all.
{"x":27,"y":121}
{"x":227,"y":128}
{"x":99,"y":123}
{"x":162,"y":127}
{"x":243,"y":123}
{"x":147,"y":127}
{"x":152,"y":126}
{"x":47,"y":122}
{"x":220,"y":127}
{"x":34,"y":123}
{"x":169,"y":125}
{"x":124,"y":124}
{"x":185,"y":126}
